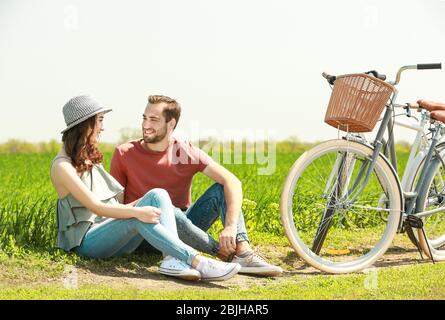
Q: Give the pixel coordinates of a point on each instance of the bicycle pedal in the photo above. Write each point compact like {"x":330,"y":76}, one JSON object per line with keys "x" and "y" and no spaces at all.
{"x":414,"y":222}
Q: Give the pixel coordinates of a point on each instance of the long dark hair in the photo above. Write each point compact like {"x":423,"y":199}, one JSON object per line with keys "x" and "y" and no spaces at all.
{"x":79,"y":147}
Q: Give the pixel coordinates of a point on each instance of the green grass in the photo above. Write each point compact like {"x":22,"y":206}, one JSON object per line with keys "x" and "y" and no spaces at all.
{"x":36,"y":274}
{"x":31,"y":268}
{"x":391,"y":284}
{"x":27,"y":205}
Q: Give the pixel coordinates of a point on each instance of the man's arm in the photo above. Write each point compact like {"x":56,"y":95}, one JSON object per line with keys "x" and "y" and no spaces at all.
{"x":233,"y":194}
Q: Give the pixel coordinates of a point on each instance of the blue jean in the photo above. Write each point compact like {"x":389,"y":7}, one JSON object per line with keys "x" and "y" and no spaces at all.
{"x":194,"y":223}
{"x":115,"y":237}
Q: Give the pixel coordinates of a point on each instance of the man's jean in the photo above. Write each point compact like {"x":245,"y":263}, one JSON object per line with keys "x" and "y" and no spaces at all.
{"x":115,"y":237}
{"x":194,"y":223}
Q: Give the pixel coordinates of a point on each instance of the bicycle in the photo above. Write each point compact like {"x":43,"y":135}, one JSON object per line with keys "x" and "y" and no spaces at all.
{"x":417,"y":155}
{"x":337,"y":192}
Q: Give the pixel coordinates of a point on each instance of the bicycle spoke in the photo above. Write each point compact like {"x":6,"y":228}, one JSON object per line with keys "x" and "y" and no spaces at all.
{"x":371,"y":208}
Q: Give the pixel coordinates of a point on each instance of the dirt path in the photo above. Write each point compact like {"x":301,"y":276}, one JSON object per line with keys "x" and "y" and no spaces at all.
{"x":149,"y":279}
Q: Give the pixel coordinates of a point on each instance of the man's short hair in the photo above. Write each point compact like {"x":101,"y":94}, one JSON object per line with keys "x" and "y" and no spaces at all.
{"x":171,"y":111}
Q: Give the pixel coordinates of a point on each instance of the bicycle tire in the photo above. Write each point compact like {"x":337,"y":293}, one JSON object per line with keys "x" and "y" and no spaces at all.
{"x":390,"y":186}
{"x":412,"y":234}
{"x":431,"y":240}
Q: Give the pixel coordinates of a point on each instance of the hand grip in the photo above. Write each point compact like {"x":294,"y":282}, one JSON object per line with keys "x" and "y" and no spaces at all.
{"x":377,"y":75}
{"x":331,"y":79}
{"x":425,"y":66}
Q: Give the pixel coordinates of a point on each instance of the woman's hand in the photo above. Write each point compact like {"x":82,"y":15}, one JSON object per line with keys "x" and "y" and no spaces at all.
{"x":148,"y":214}
{"x":431,"y":105}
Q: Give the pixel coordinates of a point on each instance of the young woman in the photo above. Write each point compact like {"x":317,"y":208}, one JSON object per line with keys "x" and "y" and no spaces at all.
{"x":91,"y":220}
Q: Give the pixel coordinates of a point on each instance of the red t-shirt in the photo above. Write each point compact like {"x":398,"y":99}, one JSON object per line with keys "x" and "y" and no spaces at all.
{"x":139,"y":170}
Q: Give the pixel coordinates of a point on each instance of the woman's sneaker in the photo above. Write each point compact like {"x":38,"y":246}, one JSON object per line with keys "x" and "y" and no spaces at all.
{"x":212,"y":270}
{"x":173,"y":267}
{"x":253,"y":264}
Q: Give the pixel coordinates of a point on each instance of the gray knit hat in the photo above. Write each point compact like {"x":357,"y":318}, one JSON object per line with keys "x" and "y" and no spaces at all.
{"x":79,"y":109}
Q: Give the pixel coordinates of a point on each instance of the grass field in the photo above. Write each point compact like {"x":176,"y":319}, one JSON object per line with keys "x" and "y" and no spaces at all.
{"x":27,"y":205}
{"x":31,"y":268}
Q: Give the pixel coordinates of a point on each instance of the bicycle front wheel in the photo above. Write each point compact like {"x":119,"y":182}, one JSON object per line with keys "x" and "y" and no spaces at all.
{"x":330,"y":223}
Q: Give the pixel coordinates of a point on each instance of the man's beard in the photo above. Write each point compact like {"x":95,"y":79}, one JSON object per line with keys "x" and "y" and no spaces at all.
{"x":155,"y":138}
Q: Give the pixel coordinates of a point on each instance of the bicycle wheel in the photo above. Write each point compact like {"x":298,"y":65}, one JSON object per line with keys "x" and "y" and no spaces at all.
{"x":432,"y":196}
{"x":435,"y":198}
{"x":325,"y":228}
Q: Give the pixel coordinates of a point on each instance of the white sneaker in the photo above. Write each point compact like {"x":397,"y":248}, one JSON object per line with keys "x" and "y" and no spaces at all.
{"x":254,"y":264}
{"x":171,"y":266}
{"x":212,"y":270}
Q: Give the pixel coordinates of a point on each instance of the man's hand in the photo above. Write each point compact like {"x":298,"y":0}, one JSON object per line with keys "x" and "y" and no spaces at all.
{"x":227,"y":240}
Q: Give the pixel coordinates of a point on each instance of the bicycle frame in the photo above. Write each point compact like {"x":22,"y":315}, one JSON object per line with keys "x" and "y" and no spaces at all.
{"x":418,"y":150}
{"x":421,"y":150}
{"x":386,"y":123}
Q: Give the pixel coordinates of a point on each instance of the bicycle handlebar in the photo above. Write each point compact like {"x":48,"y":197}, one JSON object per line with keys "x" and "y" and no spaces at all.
{"x":377,"y":75}
{"x":424,"y":66}
{"x":408,"y":106}
{"x":331,"y":79}
{"x":413,"y":106}
{"x":421,"y":66}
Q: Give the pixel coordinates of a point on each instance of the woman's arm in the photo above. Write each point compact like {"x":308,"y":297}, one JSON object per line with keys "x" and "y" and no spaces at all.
{"x":120,"y":197}
{"x":65,"y":174}
{"x":431,"y":105}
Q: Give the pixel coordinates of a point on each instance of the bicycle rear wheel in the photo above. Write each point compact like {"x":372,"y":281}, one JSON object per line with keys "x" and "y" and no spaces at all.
{"x":325,"y":228}
{"x":436,"y":198}
{"x":432,"y":197}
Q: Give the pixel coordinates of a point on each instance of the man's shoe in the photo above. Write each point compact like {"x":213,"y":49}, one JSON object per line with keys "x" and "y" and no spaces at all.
{"x":212,"y":270}
{"x":173,"y":267}
{"x":254,"y":264}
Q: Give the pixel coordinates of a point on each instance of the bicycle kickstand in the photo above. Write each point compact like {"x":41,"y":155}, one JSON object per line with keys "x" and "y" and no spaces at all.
{"x":417,"y":223}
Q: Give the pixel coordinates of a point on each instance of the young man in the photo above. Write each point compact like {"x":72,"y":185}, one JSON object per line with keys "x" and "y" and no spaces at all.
{"x":160,"y":161}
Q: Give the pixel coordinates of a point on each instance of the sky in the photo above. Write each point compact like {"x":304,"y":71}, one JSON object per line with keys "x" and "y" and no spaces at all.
{"x":239,"y":68}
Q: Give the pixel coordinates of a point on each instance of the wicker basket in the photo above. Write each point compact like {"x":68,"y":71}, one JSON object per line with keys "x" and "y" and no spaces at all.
{"x":356,"y":103}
